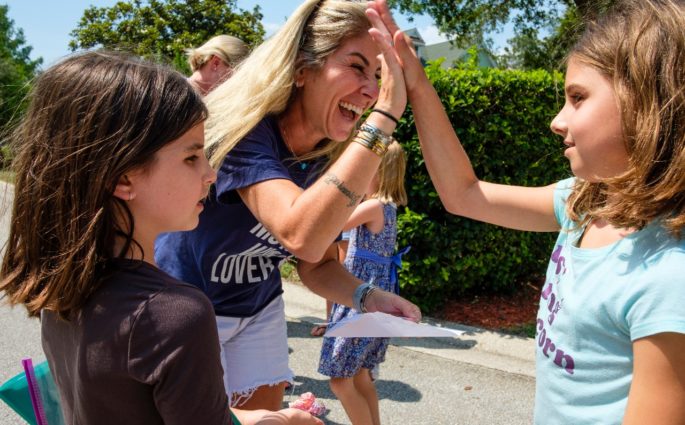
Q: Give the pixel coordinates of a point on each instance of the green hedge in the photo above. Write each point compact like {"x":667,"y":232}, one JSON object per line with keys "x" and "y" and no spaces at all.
{"x":502,"y":118}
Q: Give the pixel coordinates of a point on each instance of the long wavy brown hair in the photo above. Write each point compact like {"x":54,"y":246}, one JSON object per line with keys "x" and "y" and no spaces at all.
{"x":91,"y":119}
{"x":640,"y":47}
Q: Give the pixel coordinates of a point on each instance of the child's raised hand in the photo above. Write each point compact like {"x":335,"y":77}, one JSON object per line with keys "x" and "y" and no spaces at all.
{"x":387,"y":302}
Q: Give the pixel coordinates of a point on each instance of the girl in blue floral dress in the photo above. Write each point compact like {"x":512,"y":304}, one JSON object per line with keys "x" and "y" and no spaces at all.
{"x":370,"y":257}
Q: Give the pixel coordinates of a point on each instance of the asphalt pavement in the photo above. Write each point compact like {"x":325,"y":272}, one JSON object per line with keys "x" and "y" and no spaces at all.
{"x":480,"y":377}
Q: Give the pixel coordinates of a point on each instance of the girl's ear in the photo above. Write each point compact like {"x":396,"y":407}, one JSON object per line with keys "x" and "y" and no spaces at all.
{"x":124,"y":189}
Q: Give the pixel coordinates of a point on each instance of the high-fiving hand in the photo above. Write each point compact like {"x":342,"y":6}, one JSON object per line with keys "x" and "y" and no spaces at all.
{"x":386,"y":33}
{"x":393,"y":94}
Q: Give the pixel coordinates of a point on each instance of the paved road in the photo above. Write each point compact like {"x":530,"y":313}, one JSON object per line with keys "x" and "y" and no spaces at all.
{"x":480,"y":378}
{"x":414,"y":387}
{"x":418,"y":388}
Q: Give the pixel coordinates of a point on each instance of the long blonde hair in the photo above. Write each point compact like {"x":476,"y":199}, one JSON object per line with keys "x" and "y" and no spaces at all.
{"x":640,"y":48}
{"x":391,"y":176}
{"x":264,"y":83}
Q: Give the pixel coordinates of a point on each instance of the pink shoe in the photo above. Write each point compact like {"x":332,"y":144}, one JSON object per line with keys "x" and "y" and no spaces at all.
{"x":308,"y":403}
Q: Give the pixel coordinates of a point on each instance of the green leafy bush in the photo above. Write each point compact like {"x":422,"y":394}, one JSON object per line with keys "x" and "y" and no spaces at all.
{"x":502,"y":118}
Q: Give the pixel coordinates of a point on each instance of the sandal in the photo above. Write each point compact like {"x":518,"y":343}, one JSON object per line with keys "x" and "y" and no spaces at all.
{"x":319,"y":330}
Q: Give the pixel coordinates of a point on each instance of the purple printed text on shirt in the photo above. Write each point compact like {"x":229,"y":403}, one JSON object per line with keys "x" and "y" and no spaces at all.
{"x":553,"y":303}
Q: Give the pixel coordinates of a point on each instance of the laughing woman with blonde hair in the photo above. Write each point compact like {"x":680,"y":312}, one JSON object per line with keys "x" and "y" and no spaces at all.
{"x":294,"y":99}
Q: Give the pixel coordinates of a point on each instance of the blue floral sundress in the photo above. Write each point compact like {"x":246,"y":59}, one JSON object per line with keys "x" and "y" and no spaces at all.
{"x":342,"y":357}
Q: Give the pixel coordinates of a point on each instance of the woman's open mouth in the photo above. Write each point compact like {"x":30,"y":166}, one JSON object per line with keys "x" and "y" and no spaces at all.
{"x":350,"y":111}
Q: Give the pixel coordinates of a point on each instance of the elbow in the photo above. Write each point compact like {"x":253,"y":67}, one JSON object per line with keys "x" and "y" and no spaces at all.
{"x":451,"y":205}
{"x":455,"y":198}
{"x":448,"y":197}
{"x":309,"y":255}
{"x":450,"y":202}
{"x":304,"y":251}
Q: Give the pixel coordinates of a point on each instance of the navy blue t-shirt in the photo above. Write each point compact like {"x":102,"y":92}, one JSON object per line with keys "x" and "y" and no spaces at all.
{"x":230,"y":255}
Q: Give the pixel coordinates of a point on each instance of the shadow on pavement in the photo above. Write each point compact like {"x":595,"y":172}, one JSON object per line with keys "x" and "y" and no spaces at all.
{"x":304,"y":357}
{"x":397,"y":391}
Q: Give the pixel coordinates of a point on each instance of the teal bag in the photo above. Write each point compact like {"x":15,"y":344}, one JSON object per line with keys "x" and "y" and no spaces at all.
{"x":15,"y":392}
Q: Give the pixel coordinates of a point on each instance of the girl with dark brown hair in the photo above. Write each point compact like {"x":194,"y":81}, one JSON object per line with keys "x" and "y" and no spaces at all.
{"x":110,"y":153}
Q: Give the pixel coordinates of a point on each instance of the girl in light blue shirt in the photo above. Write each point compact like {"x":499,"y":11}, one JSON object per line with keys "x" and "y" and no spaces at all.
{"x":611,"y":326}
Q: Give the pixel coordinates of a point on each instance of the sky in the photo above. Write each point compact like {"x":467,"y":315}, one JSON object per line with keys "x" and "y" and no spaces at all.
{"x":47,"y":23}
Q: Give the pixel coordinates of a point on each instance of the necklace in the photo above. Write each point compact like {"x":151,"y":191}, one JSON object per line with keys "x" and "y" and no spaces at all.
{"x":285,"y":137}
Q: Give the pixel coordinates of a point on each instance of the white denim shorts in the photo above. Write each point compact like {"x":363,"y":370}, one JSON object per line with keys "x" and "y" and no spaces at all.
{"x":254,"y":350}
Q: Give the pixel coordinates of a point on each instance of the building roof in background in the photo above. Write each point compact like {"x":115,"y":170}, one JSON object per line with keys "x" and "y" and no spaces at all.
{"x":415,"y":36}
{"x":447,"y":50}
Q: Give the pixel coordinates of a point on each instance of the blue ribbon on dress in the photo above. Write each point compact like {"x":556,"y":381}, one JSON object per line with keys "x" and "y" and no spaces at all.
{"x":394,"y":261}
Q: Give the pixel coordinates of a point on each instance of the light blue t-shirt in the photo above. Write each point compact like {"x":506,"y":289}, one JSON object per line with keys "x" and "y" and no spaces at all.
{"x":594,"y":304}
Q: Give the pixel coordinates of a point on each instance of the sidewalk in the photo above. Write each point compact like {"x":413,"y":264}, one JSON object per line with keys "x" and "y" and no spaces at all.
{"x":508,"y":353}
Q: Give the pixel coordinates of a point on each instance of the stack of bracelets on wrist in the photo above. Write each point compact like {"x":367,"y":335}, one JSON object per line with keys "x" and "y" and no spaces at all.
{"x":373,"y":138}
{"x":361,"y":295}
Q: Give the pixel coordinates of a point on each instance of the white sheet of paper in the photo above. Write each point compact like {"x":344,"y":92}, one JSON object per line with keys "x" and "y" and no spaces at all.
{"x":386,"y":325}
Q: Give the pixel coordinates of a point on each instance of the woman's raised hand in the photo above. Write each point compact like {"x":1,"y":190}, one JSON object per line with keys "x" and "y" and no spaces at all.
{"x":393,"y":93}
{"x":383,"y":22}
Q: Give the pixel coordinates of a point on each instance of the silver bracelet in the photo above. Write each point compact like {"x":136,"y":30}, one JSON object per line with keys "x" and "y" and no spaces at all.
{"x":360,"y":295}
{"x":370,"y":142}
{"x":378,"y":133}
{"x":366,"y":295}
